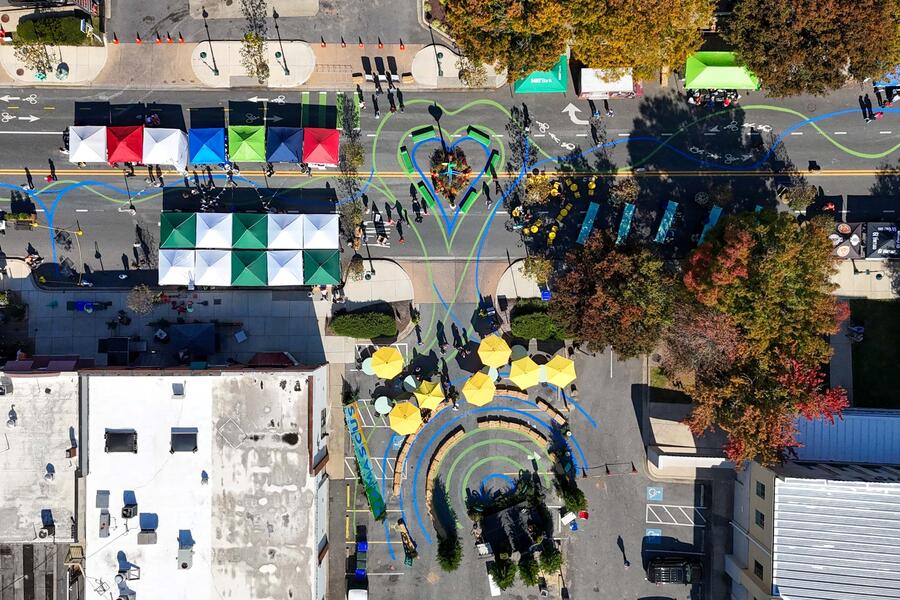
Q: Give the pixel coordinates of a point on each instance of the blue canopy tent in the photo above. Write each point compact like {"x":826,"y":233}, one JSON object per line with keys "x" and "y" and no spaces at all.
{"x":284,"y":144}
{"x":206,"y":145}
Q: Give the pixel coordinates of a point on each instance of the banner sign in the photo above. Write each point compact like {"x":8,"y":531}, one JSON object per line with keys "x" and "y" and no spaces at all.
{"x":361,"y":450}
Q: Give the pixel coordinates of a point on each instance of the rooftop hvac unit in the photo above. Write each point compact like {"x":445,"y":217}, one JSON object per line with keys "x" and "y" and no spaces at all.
{"x":48,"y":531}
{"x":129,"y":511}
{"x":178,"y":390}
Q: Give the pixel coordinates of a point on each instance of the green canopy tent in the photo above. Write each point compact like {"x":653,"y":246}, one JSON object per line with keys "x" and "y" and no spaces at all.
{"x":247,"y":143}
{"x":248,"y":268}
{"x":553,"y":81}
{"x":177,"y":230}
{"x":321,"y":267}
{"x":718,"y":70}
{"x":249,"y":231}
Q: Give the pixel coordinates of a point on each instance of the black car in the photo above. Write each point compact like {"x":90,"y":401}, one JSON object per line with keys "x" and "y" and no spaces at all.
{"x":674,"y":569}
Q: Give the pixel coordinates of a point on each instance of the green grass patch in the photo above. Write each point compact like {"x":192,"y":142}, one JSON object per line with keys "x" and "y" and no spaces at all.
{"x":57,"y":31}
{"x":876,"y":360}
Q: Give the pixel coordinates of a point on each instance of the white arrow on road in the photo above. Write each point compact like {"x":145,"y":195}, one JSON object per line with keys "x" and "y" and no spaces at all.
{"x":274,"y":118}
{"x":572,"y":109}
{"x":8,"y":98}
{"x":29,"y":118}
{"x":257,"y":99}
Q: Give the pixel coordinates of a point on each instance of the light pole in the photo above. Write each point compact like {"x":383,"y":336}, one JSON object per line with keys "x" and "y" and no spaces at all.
{"x":131,"y":207}
{"x":215,"y":69}
{"x":437,"y":55}
{"x":280,"y":45}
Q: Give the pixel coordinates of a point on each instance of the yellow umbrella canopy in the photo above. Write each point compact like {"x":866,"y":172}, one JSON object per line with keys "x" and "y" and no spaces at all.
{"x":429,"y":395}
{"x":387,"y":362}
{"x":560,"y":371}
{"x":479,"y":389}
{"x":494,"y":351}
{"x":405,"y":418}
{"x":524,"y":372}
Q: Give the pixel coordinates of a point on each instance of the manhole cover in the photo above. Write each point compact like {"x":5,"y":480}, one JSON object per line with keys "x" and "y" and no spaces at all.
{"x":20,"y":72}
{"x":4,"y":18}
{"x":811,"y":107}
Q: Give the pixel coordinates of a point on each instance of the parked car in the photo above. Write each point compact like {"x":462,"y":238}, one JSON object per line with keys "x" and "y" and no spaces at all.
{"x":674,"y":569}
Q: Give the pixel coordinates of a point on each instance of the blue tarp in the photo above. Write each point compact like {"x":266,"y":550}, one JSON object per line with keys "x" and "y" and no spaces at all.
{"x":284,"y":144}
{"x":892,"y":79}
{"x":207,"y":145}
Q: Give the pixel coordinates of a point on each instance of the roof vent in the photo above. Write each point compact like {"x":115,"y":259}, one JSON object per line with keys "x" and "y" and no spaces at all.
{"x":13,"y":417}
{"x":178,"y":390}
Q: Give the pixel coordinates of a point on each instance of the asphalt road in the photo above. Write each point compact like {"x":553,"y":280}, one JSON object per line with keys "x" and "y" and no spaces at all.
{"x":674,"y":148}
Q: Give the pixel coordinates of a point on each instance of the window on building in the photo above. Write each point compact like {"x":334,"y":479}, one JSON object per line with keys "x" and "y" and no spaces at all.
{"x":757,"y":569}
{"x":761,"y":489}
{"x":760,"y":520}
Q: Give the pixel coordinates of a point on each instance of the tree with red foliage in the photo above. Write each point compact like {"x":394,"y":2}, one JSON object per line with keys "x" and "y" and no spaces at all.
{"x":771,"y":277}
{"x":614,"y":296}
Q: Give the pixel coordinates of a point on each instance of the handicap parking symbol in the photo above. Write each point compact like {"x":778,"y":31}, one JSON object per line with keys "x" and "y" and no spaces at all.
{"x":652,"y":536}
{"x":654,"y":494}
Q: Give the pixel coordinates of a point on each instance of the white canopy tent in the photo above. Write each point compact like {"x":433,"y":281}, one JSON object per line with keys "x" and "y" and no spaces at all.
{"x":285,"y":231}
{"x":164,"y":146}
{"x":598,"y":84}
{"x":320,"y":232}
{"x":285,"y":267}
{"x":176,"y":267}
{"x":87,"y":144}
{"x":213,"y":230}
{"x":213,"y":268}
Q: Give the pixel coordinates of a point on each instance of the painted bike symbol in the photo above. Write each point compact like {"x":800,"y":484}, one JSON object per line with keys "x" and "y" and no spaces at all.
{"x":278,"y":100}
{"x":733,"y":126}
{"x":251,"y":118}
{"x":763,"y":128}
{"x":5,"y":117}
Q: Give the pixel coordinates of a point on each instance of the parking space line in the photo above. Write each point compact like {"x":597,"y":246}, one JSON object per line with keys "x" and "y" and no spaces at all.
{"x":679,"y":516}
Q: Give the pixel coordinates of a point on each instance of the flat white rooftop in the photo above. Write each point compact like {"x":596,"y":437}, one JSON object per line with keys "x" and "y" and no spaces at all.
{"x":255,"y":526}
{"x":38,"y":456}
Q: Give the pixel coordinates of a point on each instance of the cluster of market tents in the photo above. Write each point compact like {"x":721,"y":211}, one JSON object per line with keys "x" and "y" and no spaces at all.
{"x":248,"y":249}
{"x":203,"y":146}
{"x":405,"y":417}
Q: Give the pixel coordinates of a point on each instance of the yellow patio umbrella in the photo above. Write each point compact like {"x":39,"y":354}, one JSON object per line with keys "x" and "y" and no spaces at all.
{"x":560,"y":371}
{"x":479,"y":389}
{"x":524,"y":372}
{"x":387,"y":362}
{"x":429,"y":395}
{"x":405,"y":418}
{"x":494,"y":351}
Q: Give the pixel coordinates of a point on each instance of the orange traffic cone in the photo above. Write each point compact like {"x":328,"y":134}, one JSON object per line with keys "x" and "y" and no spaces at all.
{"x":115,"y":39}
{"x":158,"y":39}
{"x":343,"y":43}
{"x":361,"y":45}
{"x":180,"y":39}
{"x":137,"y":39}
{"x":380,"y":44}
{"x":402,"y":45}
{"x":169,"y":39}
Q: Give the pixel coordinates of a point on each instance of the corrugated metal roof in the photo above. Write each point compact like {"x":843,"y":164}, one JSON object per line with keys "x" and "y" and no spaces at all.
{"x":863,"y":436}
{"x":836,"y":540}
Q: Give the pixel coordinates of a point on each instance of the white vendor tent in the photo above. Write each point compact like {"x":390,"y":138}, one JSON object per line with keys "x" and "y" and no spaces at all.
{"x":165,"y":147}
{"x":87,"y":144}
{"x":176,"y":267}
{"x":213,"y":268}
{"x":598,"y":84}
{"x":285,"y":231}
{"x":285,"y":267}
{"x":213,"y":230}
{"x":320,"y":232}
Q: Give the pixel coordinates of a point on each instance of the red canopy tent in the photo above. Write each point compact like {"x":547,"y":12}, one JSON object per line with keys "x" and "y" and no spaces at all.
{"x":320,"y":146}
{"x":125,"y":144}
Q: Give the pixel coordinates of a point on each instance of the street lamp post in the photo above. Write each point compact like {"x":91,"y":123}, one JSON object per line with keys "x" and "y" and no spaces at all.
{"x":437,"y":55}
{"x":215,"y":68}
{"x":280,"y":45}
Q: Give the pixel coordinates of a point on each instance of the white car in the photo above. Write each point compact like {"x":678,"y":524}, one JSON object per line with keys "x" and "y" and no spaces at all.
{"x":357,"y":595}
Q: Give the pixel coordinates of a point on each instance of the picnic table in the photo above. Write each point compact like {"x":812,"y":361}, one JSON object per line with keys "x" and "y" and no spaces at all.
{"x":666,"y":222}
{"x":588,"y":224}
{"x":714,"y":215}
{"x":625,"y":223}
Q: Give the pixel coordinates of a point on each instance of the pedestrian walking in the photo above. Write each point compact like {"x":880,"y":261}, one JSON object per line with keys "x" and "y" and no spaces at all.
{"x":609,"y":111}
{"x":400,"y":99}
{"x":375,"y":107}
{"x":870,"y":113}
{"x":270,"y":169}
{"x":862,"y":107}
{"x":362,"y":98}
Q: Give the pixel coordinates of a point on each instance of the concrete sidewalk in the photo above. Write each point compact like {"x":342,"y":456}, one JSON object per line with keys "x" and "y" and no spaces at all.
{"x":864,"y":279}
{"x":388,"y":283}
{"x":85,"y":64}
{"x":513,"y":284}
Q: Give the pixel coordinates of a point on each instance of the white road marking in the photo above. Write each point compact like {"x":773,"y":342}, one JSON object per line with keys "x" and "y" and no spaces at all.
{"x":370,"y":135}
{"x":81,"y":210}
{"x":624,"y":134}
{"x":796,"y":133}
{"x":456,"y":135}
{"x":709,"y":133}
{"x":30,"y":133}
{"x":580,"y":135}
{"x":840,"y":133}
{"x":498,"y":135}
{"x":885,"y":132}
{"x":681,"y":516}
{"x":540,"y":135}
{"x":666,"y":134}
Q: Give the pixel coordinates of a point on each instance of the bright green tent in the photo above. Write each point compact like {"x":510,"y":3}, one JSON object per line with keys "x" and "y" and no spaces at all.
{"x":546,"y":82}
{"x":248,"y":268}
{"x":249,"y":231}
{"x":321,"y":267}
{"x":177,"y":230}
{"x":718,"y":70}
{"x":247,"y":143}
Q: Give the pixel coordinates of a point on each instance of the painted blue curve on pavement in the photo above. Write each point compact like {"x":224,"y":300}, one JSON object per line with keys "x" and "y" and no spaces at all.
{"x":443,"y":428}
{"x":576,"y":405}
{"x":501,"y":476}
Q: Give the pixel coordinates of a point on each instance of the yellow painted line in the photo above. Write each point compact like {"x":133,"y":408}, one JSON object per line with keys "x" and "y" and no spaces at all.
{"x":49,"y":108}
{"x":348,"y":496}
{"x":347,"y":526}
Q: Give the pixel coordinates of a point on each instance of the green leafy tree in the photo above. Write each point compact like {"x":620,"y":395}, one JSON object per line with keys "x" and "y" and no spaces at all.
{"x":253,"y":44}
{"x":537,"y":268}
{"x":32,"y":54}
{"x":771,"y":277}
{"x":528,"y":569}
{"x":814,"y":46}
{"x":614,"y":296}
{"x":473,"y":74}
{"x":642,"y":34}
{"x":449,"y":552}
{"x":551,"y":558}
{"x":504,"y":573}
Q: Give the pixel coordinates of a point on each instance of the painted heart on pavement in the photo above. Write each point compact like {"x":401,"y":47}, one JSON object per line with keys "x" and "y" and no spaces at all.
{"x":472,"y":177}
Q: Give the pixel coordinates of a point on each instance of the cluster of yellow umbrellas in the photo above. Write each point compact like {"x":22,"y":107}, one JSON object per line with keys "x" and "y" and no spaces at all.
{"x":406,"y":418}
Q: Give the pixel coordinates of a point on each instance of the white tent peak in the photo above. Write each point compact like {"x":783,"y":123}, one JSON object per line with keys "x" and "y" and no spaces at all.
{"x":176,"y":267}
{"x":320,"y":232}
{"x":213,"y":267}
{"x":284,"y":267}
{"x":285,"y":231}
{"x":213,"y":230}
{"x":87,"y":143}
{"x":164,"y":146}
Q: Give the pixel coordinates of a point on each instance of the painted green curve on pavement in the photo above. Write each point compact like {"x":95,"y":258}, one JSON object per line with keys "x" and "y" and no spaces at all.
{"x":468,"y":475}
{"x":482,"y":443}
